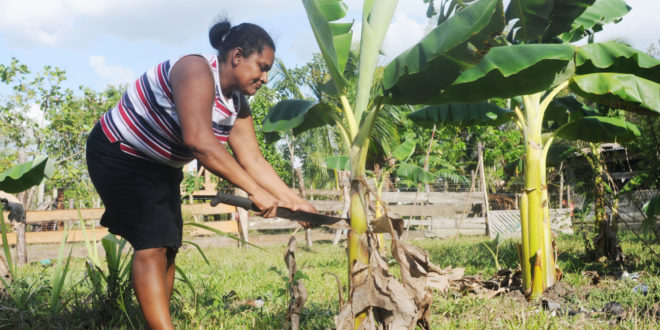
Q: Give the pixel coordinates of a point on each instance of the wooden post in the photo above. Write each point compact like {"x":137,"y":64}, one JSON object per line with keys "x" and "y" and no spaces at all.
{"x":19,"y":224}
{"x":561,"y":187}
{"x":344,"y":212}
{"x":303,"y":194}
{"x":40,"y":194}
{"x":480,"y":149}
{"x":242,"y":219}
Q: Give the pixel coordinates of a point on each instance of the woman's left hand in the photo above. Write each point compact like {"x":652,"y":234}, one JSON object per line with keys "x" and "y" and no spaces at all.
{"x":302,"y":205}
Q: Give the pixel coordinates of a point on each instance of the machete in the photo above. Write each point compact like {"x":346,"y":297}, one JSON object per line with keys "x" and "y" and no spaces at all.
{"x":313,"y":218}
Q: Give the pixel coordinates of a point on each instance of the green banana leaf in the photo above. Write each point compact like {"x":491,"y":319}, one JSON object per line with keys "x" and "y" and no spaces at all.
{"x":461,"y":114}
{"x":543,"y":19}
{"x":296,"y":115}
{"x":619,"y":91}
{"x":559,"y":152}
{"x":651,"y":210}
{"x":23,"y":176}
{"x":598,"y":129}
{"x":616,"y":57}
{"x":415,"y":173}
{"x":652,"y":207}
{"x":331,"y":37}
{"x":564,"y":13}
{"x":405,"y":149}
{"x":600,"y":13}
{"x":375,"y":22}
{"x":338,"y":163}
{"x":439,"y":58}
{"x":510,"y":71}
{"x":564,"y":109}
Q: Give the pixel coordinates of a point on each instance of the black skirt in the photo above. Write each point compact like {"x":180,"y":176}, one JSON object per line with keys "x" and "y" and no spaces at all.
{"x":141,"y":197}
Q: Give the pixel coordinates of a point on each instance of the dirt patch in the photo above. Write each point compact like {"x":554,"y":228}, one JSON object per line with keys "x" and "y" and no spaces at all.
{"x":558,"y":292}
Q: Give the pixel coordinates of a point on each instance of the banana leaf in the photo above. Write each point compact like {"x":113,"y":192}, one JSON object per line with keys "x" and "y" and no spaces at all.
{"x":338,"y":163}
{"x":415,"y":173}
{"x":616,"y":57}
{"x":652,"y":207}
{"x":600,"y":13}
{"x":543,"y":19}
{"x":598,"y":129}
{"x":651,"y":210}
{"x":511,"y":71}
{"x":564,"y":13}
{"x":439,"y":58}
{"x":296,"y":115}
{"x":23,"y":176}
{"x":564,"y":109}
{"x":559,"y":152}
{"x":333,"y":38}
{"x":405,"y":149}
{"x":461,"y":114}
{"x":619,"y":91}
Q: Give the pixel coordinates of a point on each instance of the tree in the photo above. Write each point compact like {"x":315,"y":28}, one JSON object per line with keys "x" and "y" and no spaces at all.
{"x":467,"y":59}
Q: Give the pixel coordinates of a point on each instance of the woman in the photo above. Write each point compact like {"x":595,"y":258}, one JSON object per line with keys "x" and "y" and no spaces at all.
{"x":185,"y":108}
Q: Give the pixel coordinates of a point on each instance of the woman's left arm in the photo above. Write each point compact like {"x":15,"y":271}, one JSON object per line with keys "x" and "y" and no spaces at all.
{"x":243,"y":142}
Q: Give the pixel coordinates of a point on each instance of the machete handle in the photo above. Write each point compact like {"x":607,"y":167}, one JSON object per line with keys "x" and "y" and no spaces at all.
{"x":234,"y":200}
{"x":246,"y":203}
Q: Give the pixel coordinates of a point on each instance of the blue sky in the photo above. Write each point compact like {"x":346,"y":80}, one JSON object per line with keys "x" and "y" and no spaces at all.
{"x":100,"y":42}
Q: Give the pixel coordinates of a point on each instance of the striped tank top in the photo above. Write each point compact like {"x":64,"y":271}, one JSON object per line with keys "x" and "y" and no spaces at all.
{"x":145,"y":121}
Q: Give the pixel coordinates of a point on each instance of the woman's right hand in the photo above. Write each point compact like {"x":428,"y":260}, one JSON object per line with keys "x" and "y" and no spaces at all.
{"x":267,"y":203}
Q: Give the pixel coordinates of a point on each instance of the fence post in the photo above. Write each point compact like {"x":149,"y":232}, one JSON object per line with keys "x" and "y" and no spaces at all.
{"x":303,"y":194}
{"x":480,"y":151}
{"x":242,"y":219}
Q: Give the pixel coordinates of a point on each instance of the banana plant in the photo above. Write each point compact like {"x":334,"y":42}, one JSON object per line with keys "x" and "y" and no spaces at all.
{"x":536,"y":62}
{"x":354,"y":121}
{"x":17,"y":179}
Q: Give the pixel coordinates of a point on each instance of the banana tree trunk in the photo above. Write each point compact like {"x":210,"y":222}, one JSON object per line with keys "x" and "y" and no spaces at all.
{"x":358,"y":211}
{"x":537,"y":255}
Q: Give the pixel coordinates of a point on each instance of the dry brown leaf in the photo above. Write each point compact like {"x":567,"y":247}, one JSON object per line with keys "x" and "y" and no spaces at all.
{"x":377,"y":290}
{"x":391,"y":304}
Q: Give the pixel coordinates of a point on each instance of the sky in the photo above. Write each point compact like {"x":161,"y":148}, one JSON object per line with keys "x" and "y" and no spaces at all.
{"x":101,"y":42}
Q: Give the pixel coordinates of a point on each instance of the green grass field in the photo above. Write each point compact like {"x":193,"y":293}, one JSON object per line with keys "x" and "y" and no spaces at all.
{"x":245,"y":289}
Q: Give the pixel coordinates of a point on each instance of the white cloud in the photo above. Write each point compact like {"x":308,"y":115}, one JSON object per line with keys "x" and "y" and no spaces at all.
{"x":402,"y":34}
{"x":36,"y":115}
{"x":114,"y":74}
{"x":66,"y":23}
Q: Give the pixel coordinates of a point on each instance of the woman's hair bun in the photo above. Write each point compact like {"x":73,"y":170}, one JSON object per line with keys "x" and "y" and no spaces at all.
{"x":247,"y":36}
{"x":218,"y":32}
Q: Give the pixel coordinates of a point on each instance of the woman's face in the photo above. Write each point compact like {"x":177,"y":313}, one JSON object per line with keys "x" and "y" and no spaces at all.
{"x":252,"y":72}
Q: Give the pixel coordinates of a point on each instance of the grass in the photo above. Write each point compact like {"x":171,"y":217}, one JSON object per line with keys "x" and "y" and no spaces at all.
{"x":227,"y":291}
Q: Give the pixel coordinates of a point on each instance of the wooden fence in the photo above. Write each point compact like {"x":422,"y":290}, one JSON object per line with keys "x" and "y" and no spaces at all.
{"x":93,"y":215}
{"x":440,"y":214}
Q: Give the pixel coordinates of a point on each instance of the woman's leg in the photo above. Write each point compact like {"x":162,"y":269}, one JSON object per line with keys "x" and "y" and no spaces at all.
{"x":169,"y":275}
{"x":151,"y":275}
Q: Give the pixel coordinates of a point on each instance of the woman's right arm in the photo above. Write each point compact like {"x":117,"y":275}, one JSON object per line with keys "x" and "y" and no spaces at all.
{"x":193,"y":90}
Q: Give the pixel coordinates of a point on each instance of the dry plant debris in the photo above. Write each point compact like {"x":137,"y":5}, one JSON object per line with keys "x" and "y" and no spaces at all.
{"x":387,"y":302}
{"x":297,"y":290}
